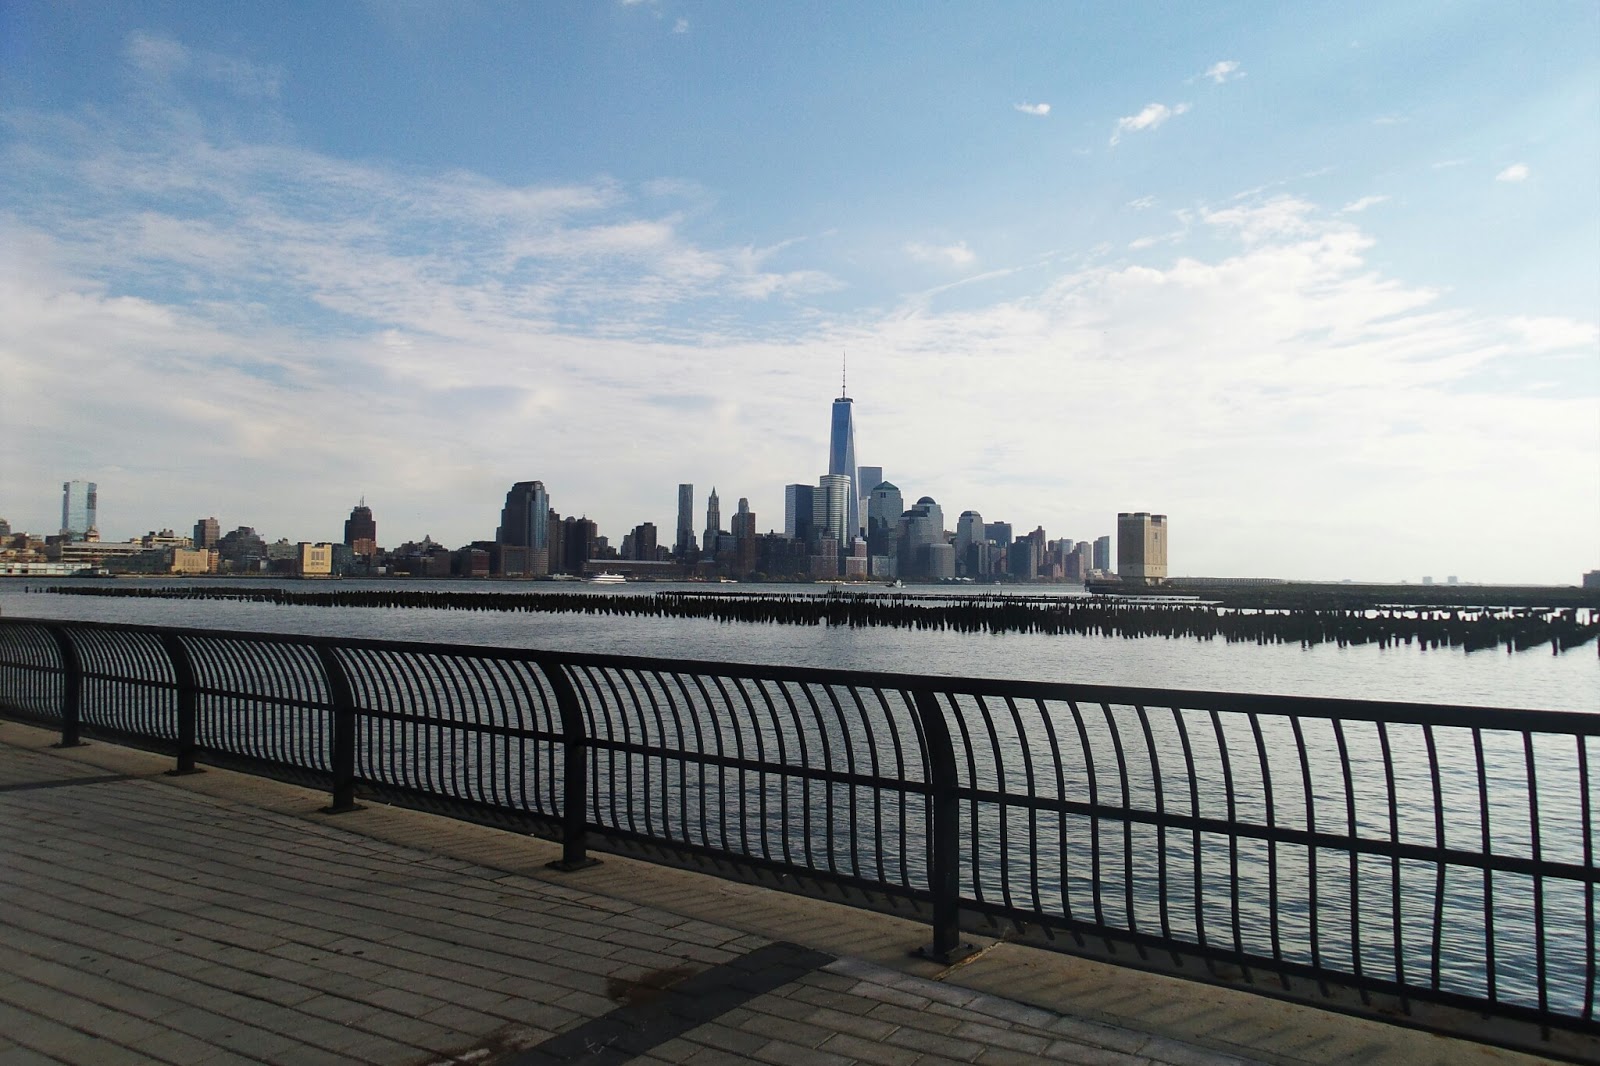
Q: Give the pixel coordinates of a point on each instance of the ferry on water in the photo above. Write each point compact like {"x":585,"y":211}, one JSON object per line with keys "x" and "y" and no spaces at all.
{"x":606,"y":579}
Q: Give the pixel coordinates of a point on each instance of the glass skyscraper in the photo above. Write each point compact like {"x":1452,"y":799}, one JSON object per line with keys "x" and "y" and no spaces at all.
{"x":525,"y":520}
{"x":842,"y":460}
{"x":78,"y":505}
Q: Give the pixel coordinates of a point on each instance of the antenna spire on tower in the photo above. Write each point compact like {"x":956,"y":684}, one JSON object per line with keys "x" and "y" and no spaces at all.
{"x":843,"y":366}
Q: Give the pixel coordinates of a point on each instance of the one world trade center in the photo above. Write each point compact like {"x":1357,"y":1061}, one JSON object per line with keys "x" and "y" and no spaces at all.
{"x":842,"y":460}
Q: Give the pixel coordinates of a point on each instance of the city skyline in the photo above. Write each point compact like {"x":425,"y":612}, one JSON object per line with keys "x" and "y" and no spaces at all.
{"x":1327,"y":303}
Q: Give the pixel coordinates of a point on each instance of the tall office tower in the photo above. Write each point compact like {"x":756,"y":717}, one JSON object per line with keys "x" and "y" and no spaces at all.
{"x":870,"y":477}
{"x":884,"y":508}
{"x":1102,"y":553}
{"x":831,"y":506}
{"x":684,"y":544}
{"x":207,"y":533}
{"x":921,"y":527}
{"x":998,"y":532}
{"x":643,"y":542}
{"x":798,"y":501}
{"x":580,"y":543}
{"x":1142,"y":547}
{"x":842,"y":458}
{"x":524,"y":520}
{"x":1026,"y":555}
{"x":360,"y":531}
{"x":744,"y":520}
{"x":5,"y":528}
{"x":969,"y":531}
{"x":524,"y":525}
{"x":79,"y":503}
{"x":713,"y":522}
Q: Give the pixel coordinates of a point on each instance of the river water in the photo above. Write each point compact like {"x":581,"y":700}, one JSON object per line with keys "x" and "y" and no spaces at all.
{"x":1419,"y":917}
{"x":1534,"y":679}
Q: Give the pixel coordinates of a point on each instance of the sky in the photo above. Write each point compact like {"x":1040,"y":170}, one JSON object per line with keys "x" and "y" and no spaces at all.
{"x":1319,"y":281}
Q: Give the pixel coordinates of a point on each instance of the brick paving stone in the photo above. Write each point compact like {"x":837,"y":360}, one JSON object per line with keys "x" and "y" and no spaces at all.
{"x":869,"y":1051}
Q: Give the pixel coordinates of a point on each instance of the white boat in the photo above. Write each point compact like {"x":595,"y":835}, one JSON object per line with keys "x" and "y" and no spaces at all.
{"x":606,"y":579}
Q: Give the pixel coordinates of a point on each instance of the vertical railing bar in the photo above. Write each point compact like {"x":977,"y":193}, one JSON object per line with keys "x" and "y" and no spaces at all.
{"x":1196,"y":840}
{"x":1439,"y":862}
{"x":343,"y":707}
{"x":1486,"y":842}
{"x":1060,"y":813}
{"x":1270,"y":808}
{"x":71,"y":686}
{"x":1233,"y":840}
{"x":1357,"y":964}
{"x":1002,"y":815}
{"x":1396,"y":918}
{"x":1127,"y":824}
{"x":183,"y":678}
{"x":1308,"y":787}
{"x":1033,"y":814}
{"x":1161,"y":826}
{"x":1094,"y":814}
{"x":575,"y":753}
{"x":1536,"y":844}
{"x":944,"y":834}
{"x":1586,"y":821}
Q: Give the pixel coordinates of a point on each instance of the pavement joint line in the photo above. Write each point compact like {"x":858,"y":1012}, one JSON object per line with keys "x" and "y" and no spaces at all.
{"x":102,"y":779}
{"x":660,"y":1015}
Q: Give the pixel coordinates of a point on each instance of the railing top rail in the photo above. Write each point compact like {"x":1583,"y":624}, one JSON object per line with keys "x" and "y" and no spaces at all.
{"x":1395,"y":712}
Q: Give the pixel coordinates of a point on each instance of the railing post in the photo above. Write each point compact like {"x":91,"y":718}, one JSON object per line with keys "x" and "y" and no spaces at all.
{"x":574,"y":775}
{"x":342,"y":703}
{"x":944,"y":833}
{"x":71,"y":687}
{"x":183,"y":676}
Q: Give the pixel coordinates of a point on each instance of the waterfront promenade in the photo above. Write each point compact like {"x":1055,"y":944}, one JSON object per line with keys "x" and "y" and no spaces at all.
{"x":220,"y":918}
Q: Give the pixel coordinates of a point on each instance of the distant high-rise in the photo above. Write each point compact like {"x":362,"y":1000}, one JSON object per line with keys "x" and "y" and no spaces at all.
{"x":1102,"y":553}
{"x":79,"y":507}
{"x":831,"y":506}
{"x":842,"y":457}
{"x":969,"y":531}
{"x":713,"y":521}
{"x":524,"y":521}
{"x":684,"y":544}
{"x":867,"y":479}
{"x":1142,"y":547}
{"x":207,"y":533}
{"x":744,"y":520}
{"x":884,"y":508}
{"x":360,"y":531}
{"x":798,"y":504}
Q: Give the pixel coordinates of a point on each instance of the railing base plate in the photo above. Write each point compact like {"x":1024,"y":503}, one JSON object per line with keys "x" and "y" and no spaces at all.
{"x":568,"y":867}
{"x":71,"y":744}
{"x":185,"y":772}
{"x":945,"y":958}
{"x":342,"y":809}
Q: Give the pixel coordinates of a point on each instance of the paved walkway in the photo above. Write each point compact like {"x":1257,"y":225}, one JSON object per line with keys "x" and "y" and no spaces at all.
{"x":220,"y":918}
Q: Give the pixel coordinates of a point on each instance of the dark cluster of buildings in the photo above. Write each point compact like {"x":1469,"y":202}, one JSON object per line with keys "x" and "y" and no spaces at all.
{"x":851,"y":525}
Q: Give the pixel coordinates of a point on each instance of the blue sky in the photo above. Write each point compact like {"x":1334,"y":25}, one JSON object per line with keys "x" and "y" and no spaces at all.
{"x":1320,"y":281}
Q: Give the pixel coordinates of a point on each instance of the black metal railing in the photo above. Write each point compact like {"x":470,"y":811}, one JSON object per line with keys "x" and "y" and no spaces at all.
{"x":1436,"y":864}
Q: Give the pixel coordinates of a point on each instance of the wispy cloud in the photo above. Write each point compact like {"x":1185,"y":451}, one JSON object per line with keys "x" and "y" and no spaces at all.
{"x":1357,"y":206}
{"x":1143,"y":203}
{"x":680,"y":26}
{"x":1226,"y":70}
{"x":1040,"y":109}
{"x":956,"y":255}
{"x":1151,"y":117}
{"x":1446,"y":164}
{"x":1390,"y":120}
{"x":167,"y":60}
{"x":1515,"y":172}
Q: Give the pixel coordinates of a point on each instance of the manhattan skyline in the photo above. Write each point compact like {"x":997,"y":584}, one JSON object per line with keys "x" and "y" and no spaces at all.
{"x":1318,"y":282}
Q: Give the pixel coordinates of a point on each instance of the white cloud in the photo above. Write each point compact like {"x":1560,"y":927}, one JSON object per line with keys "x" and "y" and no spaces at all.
{"x":1357,"y":206}
{"x":1040,"y":109}
{"x":680,"y":26}
{"x":167,"y":60}
{"x":1515,"y":172}
{"x":1446,"y":164}
{"x":1151,"y":117}
{"x":1390,"y":120}
{"x":1226,"y":70}
{"x":956,"y":255}
{"x":1142,"y":203}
